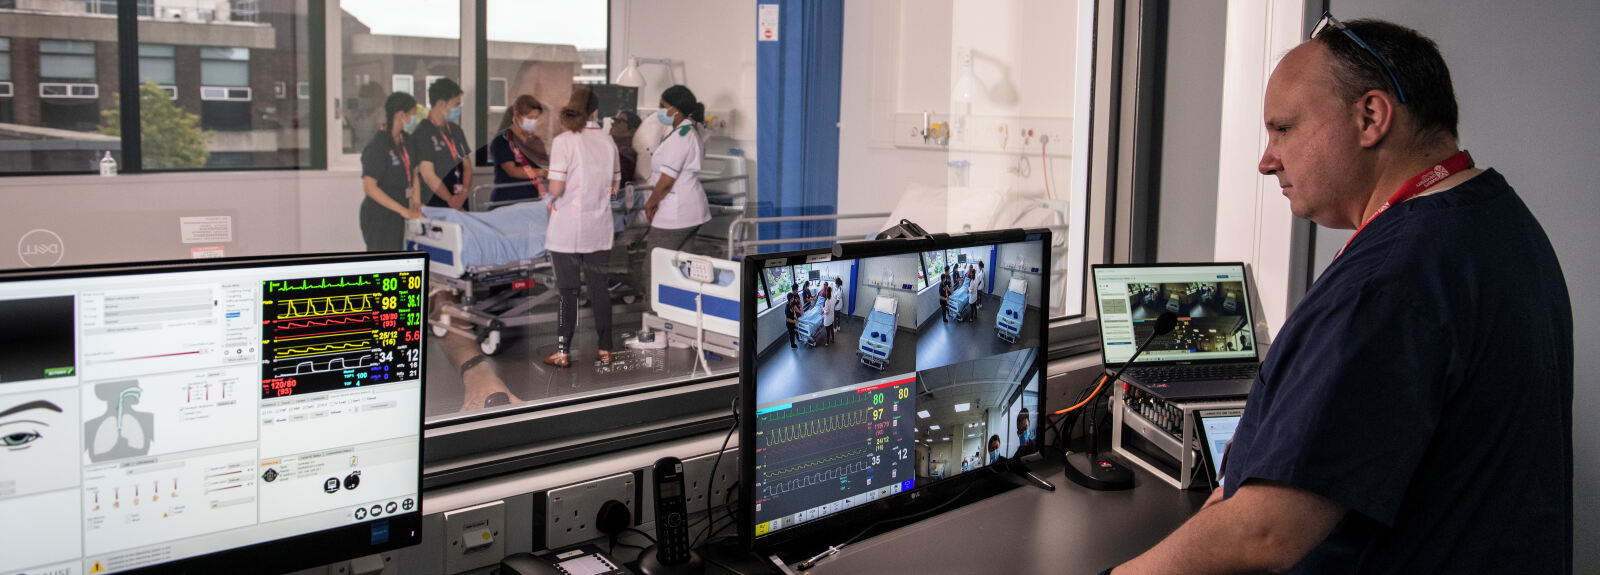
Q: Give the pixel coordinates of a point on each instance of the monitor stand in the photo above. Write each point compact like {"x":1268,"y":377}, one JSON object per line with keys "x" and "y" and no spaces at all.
{"x":1020,"y":473}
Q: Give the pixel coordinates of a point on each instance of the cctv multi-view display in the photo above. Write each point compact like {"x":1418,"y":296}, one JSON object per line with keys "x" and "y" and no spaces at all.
{"x":877,"y":376}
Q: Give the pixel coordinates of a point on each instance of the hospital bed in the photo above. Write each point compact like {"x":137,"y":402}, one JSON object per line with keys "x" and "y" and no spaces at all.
{"x":1008,"y":323}
{"x":877,"y":338}
{"x":680,"y":278}
{"x":810,"y":325}
{"x":959,"y":299}
{"x":494,"y":265}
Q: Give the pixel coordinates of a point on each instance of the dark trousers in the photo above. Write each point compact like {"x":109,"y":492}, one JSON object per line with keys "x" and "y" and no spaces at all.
{"x":792,"y":334}
{"x":663,"y":238}
{"x":592,"y":267}
{"x":944,"y":309}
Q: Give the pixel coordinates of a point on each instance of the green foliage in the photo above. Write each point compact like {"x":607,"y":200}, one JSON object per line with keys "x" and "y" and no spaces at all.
{"x":170,"y":138}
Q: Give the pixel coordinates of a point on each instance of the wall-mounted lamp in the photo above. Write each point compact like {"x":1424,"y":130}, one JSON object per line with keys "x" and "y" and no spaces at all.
{"x":967,"y":87}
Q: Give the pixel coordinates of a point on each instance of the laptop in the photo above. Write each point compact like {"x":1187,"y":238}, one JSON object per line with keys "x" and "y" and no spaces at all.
{"x":1214,"y":429}
{"x":1211,"y":354}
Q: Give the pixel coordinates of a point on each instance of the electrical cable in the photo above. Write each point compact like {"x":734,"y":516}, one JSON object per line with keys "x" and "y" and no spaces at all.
{"x":711,"y":481}
{"x":1044,"y":164}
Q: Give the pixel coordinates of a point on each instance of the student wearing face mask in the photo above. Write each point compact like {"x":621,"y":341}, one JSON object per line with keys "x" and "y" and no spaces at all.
{"x":442,"y":147}
{"x":519,"y":155}
{"x":677,"y":205}
{"x":388,"y":177}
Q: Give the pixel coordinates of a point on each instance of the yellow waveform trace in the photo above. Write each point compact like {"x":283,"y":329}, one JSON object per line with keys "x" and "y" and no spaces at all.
{"x":810,"y":464}
{"x":289,"y":352}
{"x":815,"y":427}
{"x":331,"y":305}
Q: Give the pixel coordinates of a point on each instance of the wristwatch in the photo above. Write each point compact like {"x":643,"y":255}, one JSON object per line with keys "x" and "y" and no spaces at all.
{"x":471,"y":363}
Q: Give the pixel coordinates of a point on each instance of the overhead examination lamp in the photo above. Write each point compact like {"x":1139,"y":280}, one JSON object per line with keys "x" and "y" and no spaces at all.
{"x":631,"y":77}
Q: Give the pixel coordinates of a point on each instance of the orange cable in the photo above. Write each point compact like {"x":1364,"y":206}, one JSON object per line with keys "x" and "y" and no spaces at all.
{"x":1087,"y":400}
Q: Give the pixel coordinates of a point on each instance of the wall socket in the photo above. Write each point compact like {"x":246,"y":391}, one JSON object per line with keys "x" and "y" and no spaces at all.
{"x":367,"y":565}
{"x":570,"y":511}
{"x":697,"y":472}
{"x":474,"y":536}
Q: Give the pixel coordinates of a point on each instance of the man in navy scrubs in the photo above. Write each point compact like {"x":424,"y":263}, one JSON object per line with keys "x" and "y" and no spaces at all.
{"x":1415,"y":412}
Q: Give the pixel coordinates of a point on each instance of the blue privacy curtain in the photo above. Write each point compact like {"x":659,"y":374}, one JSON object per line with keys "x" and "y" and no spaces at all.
{"x":797,"y":103}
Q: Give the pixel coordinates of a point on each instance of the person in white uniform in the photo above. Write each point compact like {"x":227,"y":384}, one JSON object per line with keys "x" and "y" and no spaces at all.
{"x":677,"y":205}
{"x":584,"y":174}
{"x":828,"y":303}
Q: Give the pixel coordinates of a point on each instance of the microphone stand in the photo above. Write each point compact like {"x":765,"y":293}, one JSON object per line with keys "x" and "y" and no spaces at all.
{"x":1106,"y":473}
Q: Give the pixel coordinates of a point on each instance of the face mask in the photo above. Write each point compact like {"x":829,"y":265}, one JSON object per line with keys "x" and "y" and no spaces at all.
{"x":454,"y":115}
{"x":411,"y":125}
{"x":663,"y":117}
{"x":528,"y":124}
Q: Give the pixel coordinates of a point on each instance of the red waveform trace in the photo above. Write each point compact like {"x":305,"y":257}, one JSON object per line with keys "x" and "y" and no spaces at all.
{"x":316,"y":323}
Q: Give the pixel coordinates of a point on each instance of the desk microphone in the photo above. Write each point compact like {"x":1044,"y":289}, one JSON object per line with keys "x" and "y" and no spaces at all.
{"x":1105,"y":474}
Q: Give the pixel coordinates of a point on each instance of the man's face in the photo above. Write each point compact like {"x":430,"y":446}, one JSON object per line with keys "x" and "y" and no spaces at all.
{"x":1313,"y":141}
{"x":1022,"y":425}
{"x":994,"y":445}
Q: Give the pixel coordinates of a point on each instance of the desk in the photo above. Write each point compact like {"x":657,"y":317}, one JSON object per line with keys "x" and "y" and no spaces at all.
{"x":1028,"y":530}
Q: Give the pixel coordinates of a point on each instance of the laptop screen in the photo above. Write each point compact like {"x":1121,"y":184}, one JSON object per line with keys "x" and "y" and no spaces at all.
{"x":1210,"y":300}
{"x":1216,"y":432}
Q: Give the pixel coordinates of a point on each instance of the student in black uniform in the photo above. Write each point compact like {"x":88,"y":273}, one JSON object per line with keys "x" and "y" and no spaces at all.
{"x":387,"y":170}
{"x":441,"y":147}
{"x":519,"y":155}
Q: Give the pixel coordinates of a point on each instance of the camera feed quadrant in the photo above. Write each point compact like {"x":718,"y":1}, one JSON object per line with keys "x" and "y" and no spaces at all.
{"x":836,"y":323}
{"x":982,"y":301}
{"x":976,"y":413}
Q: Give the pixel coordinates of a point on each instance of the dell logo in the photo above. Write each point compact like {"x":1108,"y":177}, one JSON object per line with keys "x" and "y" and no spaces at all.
{"x":40,"y":248}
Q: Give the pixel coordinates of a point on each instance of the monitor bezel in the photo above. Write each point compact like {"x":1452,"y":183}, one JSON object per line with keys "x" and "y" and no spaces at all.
{"x":1250,"y":311}
{"x":305,"y":550}
{"x":815,"y":535}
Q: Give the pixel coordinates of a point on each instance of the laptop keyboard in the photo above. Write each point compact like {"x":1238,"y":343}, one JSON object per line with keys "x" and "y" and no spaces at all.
{"x":1176,"y":373}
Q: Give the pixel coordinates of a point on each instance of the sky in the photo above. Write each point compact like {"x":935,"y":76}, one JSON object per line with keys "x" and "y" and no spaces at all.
{"x":581,"y":23}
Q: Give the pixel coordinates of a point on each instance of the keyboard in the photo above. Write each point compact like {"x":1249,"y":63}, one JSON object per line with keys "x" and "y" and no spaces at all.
{"x":1177,"y":373}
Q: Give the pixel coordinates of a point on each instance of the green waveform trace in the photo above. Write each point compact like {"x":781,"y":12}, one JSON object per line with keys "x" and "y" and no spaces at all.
{"x":321,"y":284}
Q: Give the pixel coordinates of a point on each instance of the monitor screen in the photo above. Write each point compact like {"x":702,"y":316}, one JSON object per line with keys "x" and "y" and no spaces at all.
{"x":1211,"y":302}
{"x":1216,"y":430}
{"x":903,"y":387}
{"x":164,"y":416}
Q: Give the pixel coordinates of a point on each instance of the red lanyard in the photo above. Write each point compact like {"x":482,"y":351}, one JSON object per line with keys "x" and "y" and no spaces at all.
{"x":448,"y":141}
{"x":1414,"y":187}
{"x":406,"y":157}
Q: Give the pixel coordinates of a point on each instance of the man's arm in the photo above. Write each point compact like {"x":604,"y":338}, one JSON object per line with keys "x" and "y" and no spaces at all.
{"x":1265,"y":526}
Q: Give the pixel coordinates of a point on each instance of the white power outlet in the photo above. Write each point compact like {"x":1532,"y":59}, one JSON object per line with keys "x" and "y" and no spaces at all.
{"x":570,"y":511}
{"x":474,"y":537}
{"x":697,"y":473}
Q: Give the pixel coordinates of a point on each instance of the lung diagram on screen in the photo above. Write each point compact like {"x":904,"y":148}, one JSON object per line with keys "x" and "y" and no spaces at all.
{"x":328,"y":333}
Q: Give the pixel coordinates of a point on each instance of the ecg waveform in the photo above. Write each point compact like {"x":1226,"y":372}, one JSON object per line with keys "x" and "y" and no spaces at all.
{"x":340,"y":331}
{"x":826,"y":449}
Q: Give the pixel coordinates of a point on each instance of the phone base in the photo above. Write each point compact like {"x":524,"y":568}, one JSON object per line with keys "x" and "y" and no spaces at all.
{"x":649,"y":565}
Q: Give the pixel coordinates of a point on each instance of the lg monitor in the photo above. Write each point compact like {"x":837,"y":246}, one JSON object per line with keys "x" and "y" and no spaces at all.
{"x":896,"y":403}
{"x":213,"y":416}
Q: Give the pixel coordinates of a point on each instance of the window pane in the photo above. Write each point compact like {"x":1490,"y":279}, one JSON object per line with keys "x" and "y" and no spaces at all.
{"x":226,"y":115}
{"x":224,"y":73}
{"x":1000,"y":80}
{"x":163,"y":71}
{"x":61,"y":86}
{"x":392,"y":46}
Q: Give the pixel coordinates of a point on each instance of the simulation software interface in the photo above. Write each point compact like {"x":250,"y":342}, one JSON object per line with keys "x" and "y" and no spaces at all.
{"x":1210,"y":301}
{"x":150,"y":417}
{"x":951,"y":398}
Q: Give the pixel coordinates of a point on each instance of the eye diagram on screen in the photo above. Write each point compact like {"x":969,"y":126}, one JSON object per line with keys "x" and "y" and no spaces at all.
{"x":322,"y":334}
{"x":829,"y":451}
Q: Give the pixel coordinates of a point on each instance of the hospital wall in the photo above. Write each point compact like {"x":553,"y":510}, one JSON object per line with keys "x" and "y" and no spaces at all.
{"x":901,"y":59}
{"x":905,"y":272}
{"x":1027,"y":254}
{"x":770,"y":328}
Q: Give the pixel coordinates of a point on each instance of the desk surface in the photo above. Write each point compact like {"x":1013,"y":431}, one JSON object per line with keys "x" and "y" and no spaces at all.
{"x":1028,"y":530}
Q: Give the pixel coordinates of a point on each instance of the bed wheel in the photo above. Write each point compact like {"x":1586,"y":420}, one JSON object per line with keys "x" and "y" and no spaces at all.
{"x":629,"y":298}
{"x":489,"y":341}
{"x":441,"y":326}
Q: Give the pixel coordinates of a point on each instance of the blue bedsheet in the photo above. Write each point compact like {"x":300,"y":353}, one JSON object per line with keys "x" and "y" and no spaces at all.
{"x":958,"y":300}
{"x":877,"y":339}
{"x":810,"y":325}
{"x":501,"y":236}
{"x":1009,"y":321}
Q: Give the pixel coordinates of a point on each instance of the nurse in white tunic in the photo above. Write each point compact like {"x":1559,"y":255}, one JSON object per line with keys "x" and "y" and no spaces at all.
{"x":677,"y":205}
{"x":584,"y":174}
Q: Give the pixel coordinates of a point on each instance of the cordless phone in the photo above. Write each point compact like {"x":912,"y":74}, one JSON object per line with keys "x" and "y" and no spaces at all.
{"x":672,"y":513}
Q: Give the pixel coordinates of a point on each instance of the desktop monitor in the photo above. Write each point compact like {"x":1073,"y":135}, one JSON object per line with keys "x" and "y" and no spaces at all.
{"x":211,"y":416}
{"x":901,"y":403}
